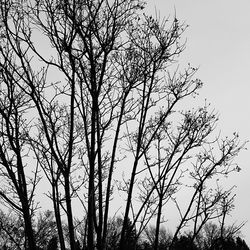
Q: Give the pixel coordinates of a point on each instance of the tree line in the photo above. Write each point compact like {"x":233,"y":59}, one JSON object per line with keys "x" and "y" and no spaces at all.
{"x":12,"y":235}
{"x":93,"y":104}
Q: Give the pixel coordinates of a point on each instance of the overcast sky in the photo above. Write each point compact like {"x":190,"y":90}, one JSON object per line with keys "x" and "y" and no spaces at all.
{"x":218,"y":42}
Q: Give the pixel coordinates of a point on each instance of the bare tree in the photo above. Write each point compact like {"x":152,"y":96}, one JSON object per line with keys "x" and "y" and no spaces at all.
{"x":211,"y":234}
{"x":19,"y":176}
{"x":105,"y":99}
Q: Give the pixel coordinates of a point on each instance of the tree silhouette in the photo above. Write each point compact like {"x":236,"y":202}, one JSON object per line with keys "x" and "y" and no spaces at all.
{"x":91,"y":99}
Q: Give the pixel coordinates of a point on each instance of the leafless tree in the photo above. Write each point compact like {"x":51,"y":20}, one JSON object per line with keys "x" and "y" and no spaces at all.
{"x":105,"y":99}
{"x":19,"y":176}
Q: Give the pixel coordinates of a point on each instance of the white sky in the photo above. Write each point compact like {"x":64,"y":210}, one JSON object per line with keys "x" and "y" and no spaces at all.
{"x":218,"y":42}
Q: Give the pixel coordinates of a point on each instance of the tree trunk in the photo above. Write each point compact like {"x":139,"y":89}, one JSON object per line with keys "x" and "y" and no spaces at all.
{"x":91,"y":195}
{"x":69,"y":212}
{"x":158,"y":222}
{"x":91,"y":210}
{"x":29,"y":233}
{"x":58,"y":216}
{"x":100,"y":190}
{"x":125,"y":222}
{"x":23,"y":196}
